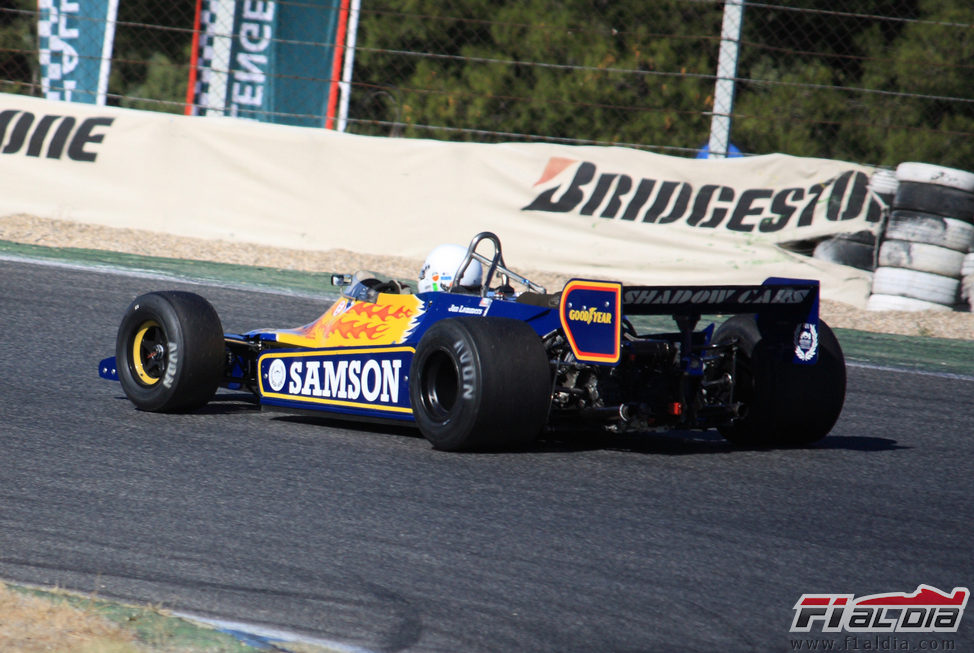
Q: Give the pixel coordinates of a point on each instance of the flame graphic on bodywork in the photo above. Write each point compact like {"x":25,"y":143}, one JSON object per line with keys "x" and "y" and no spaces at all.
{"x":387,"y":321}
{"x":350,"y":330}
{"x":379,"y":311}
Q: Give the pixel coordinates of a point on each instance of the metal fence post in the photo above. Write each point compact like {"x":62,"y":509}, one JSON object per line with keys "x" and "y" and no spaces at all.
{"x":346,"y":83}
{"x":730,"y":37}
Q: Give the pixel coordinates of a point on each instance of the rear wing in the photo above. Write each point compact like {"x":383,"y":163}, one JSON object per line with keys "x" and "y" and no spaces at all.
{"x":797,"y":298}
{"x":591,"y":313}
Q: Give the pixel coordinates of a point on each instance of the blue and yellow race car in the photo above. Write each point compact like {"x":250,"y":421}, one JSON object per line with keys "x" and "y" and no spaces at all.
{"x":480,"y":357}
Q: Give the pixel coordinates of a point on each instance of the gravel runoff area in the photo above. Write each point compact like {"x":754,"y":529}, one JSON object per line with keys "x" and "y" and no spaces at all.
{"x":61,"y":233}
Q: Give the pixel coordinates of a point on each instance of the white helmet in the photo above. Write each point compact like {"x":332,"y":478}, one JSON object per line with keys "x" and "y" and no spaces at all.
{"x":442,"y":263}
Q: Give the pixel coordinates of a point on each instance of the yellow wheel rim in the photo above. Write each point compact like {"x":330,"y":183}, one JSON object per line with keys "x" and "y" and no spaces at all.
{"x":143,"y":354}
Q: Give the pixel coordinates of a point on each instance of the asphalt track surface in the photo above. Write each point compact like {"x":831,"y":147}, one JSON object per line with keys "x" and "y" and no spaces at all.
{"x":367,"y":537}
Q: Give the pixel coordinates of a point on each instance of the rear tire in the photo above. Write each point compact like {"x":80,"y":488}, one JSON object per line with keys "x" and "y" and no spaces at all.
{"x":170,"y":351}
{"x":480,"y":383}
{"x":784,"y":404}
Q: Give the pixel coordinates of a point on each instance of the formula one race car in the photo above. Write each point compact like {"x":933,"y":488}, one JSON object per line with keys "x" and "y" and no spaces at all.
{"x":476,"y":364}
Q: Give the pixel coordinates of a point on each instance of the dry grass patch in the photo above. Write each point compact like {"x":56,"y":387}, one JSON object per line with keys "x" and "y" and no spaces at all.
{"x":30,"y":624}
{"x":35,"y":620}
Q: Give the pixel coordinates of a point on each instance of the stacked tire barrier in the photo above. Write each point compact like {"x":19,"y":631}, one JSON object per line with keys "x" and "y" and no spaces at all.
{"x":856,"y":249}
{"x":925,"y":246}
{"x":967,"y":280}
{"x":859,"y":249}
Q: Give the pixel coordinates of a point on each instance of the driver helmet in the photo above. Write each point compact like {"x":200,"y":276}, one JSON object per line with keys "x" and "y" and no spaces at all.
{"x":442,"y":263}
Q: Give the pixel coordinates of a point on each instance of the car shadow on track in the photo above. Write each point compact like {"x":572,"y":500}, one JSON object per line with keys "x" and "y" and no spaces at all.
{"x":364,"y":427}
{"x":859,"y":443}
{"x":221,"y":404}
{"x":667,"y":443}
{"x":660,"y":443}
{"x":684,"y":443}
{"x":229,"y":404}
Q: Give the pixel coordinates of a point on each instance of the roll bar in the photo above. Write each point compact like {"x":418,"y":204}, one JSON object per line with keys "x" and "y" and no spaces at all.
{"x":494,"y":265}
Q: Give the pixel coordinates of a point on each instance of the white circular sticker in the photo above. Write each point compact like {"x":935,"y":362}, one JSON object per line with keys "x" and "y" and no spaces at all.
{"x":276,"y":374}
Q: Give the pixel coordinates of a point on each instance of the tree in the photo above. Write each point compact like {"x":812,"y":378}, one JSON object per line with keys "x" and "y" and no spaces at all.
{"x":579,"y":70}
{"x":932,"y":59}
{"x":18,"y":45}
{"x":858,"y":88}
{"x":876,"y":81}
{"x":880,"y":81}
{"x":150,"y":64}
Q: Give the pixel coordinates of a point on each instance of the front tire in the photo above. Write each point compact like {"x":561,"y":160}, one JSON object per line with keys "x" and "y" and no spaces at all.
{"x":783,"y":403}
{"x":170,"y":351}
{"x":479,"y":383}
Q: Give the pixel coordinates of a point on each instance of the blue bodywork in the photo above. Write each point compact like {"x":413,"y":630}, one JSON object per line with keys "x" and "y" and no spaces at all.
{"x":354,"y":360}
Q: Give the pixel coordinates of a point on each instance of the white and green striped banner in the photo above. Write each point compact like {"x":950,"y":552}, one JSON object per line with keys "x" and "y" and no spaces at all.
{"x":76,"y":38}
{"x":267,"y":61}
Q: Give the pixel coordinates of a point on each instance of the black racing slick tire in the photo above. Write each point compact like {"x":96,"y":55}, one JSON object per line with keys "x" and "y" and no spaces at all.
{"x":170,"y":352}
{"x":480,"y":383}
{"x":783,"y":403}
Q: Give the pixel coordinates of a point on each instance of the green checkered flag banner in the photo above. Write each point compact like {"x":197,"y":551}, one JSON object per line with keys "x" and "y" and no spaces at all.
{"x":75,"y":48}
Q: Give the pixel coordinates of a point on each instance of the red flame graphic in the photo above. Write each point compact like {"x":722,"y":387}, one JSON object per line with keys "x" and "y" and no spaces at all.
{"x":382,"y":312}
{"x":355,"y":330}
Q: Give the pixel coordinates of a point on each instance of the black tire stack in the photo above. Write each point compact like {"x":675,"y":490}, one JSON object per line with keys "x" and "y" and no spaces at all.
{"x":858,"y":249}
{"x":924,"y":243}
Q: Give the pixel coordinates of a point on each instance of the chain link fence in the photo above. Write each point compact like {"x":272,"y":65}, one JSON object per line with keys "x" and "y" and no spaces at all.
{"x":877,"y":81}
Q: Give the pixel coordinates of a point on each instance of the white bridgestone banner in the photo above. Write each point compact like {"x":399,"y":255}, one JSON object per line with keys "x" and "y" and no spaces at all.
{"x":596,"y":212}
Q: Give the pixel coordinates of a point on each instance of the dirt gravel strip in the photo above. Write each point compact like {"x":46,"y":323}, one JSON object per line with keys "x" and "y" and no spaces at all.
{"x":61,"y":233}
{"x":38,"y":620}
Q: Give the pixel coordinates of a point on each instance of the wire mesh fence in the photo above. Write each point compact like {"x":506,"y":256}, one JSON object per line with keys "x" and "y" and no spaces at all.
{"x":877,"y":81}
